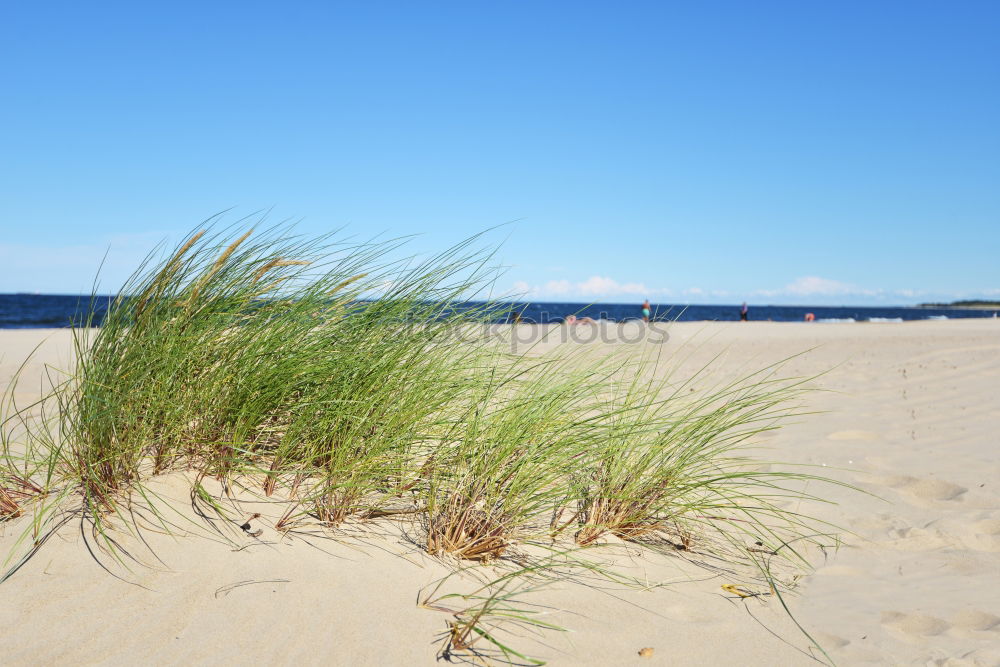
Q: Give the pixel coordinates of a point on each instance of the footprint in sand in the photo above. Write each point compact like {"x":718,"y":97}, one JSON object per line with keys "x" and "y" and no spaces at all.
{"x":884,"y":523}
{"x":935,"y":489}
{"x":925,"y":489}
{"x":984,"y":535}
{"x":977,"y":621}
{"x":903,"y":536}
{"x":988,"y":527}
{"x":914,"y":625}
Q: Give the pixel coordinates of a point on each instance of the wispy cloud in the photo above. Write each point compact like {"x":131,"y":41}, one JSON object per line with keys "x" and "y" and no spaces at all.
{"x":604,"y":286}
{"x":72,"y":267}
{"x":826,"y":290}
{"x":594,"y":287}
{"x":816,"y":286}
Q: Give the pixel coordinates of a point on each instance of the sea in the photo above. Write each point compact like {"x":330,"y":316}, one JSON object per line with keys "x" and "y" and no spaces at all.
{"x":36,"y":311}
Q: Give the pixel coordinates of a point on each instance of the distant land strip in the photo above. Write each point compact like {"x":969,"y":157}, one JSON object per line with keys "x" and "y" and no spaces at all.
{"x":962,"y":304}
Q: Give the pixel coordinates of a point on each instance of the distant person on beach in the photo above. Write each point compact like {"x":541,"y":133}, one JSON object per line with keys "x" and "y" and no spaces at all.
{"x":810,"y":317}
{"x":572,"y":319}
{"x":646,"y":309}
{"x":744,"y":312}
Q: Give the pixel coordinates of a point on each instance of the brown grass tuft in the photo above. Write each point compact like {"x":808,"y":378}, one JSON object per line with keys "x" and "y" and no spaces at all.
{"x":9,"y":508}
{"x":626,"y":519}
{"x":11,"y":497}
{"x":336,"y":506}
{"x":468,"y":533}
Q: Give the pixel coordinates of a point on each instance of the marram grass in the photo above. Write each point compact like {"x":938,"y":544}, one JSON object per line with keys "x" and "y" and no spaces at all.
{"x":324,"y":373}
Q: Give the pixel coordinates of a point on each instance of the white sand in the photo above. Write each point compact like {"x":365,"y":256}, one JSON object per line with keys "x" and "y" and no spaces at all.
{"x":913,"y":416}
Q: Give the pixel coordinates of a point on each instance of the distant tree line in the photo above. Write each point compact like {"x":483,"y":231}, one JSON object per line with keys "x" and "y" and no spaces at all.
{"x":970,"y":303}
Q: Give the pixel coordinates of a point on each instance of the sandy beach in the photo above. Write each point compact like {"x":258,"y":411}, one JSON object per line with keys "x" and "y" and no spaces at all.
{"x":909,"y":413}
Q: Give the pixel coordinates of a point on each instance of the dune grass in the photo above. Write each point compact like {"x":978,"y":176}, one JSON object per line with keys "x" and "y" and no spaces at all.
{"x":327,"y":374}
{"x":670,"y":464}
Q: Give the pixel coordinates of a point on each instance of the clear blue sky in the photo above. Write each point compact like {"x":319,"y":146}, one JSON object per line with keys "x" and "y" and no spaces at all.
{"x":774,"y":152}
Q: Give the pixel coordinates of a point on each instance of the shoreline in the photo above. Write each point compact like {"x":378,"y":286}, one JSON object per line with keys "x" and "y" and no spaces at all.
{"x":667,"y":321}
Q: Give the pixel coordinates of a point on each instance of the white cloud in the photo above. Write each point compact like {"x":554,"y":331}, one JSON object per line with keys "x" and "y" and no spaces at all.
{"x":809,"y":285}
{"x":593,"y":287}
{"x":815,"y":286}
{"x":521,"y":288}
{"x":603,"y":286}
{"x":557,"y":287}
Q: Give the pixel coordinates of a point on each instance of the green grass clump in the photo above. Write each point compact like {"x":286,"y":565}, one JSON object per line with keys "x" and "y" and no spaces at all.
{"x":508,"y":459}
{"x":351,"y":385}
{"x":669,"y":465}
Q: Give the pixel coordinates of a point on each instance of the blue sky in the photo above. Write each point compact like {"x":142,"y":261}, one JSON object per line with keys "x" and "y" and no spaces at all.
{"x":696,"y":152}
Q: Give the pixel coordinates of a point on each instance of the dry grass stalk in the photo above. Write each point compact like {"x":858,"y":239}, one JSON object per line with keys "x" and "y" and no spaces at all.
{"x":272,"y":477}
{"x":168,"y":271}
{"x":227,"y":253}
{"x":219,"y":263}
{"x":270,"y":286}
{"x":277,"y":263}
{"x":176,"y":259}
{"x":341,"y":285}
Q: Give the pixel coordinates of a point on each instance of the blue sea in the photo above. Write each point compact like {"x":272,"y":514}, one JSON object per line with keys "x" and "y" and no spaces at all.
{"x":32,"y":311}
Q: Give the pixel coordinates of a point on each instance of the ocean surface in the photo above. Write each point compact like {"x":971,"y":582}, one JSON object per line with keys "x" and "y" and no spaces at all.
{"x":33,"y":311}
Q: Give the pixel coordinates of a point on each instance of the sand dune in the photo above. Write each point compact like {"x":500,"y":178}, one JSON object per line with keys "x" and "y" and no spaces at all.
{"x":910,"y":415}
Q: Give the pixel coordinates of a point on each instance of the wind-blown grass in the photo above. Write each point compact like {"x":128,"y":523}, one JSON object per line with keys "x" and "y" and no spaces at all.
{"x":350,"y":385}
{"x":669,"y":464}
{"x":508,"y":459}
